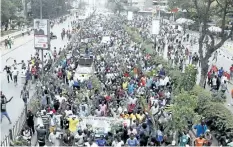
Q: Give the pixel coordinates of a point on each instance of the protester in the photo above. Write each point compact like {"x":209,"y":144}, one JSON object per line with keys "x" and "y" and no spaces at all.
{"x":4,"y":101}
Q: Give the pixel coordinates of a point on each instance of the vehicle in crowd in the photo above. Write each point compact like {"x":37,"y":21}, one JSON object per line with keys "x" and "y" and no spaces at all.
{"x":53,"y":36}
{"x":85,"y":67}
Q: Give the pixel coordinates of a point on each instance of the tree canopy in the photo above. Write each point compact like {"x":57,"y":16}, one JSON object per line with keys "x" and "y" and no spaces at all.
{"x":9,"y":8}
{"x":50,"y":8}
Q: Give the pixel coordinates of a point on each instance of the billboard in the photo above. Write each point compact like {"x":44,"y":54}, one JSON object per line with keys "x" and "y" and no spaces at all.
{"x":155,"y":27}
{"x":130,"y":15}
{"x":41,"y":33}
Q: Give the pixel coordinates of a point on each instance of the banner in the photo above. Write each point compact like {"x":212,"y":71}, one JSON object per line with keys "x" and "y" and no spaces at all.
{"x":155,"y":27}
{"x":41,"y":33}
{"x":100,"y":125}
{"x":130,"y":15}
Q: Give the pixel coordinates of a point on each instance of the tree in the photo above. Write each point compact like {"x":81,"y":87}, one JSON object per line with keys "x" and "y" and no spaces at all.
{"x":117,"y":6}
{"x":183,"y":110}
{"x":205,"y":10}
{"x":50,"y":8}
{"x":188,"y":79}
{"x":9,"y":9}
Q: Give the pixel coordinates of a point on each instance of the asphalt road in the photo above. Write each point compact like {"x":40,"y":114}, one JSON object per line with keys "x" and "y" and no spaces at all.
{"x":22,"y":50}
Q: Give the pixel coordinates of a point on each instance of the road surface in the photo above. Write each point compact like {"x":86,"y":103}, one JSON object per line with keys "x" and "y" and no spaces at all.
{"x":22,"y":49}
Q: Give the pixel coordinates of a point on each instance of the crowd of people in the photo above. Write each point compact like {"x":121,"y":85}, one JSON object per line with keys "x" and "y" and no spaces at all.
{"x":120,"y":90}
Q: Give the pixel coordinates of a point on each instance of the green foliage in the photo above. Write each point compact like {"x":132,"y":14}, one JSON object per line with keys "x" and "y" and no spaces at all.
{"x":95,"y":82}
{"x":9,"y":9}
{"x":50,"y":8}
{"x":188,"y":79}
{"x":182,"y":110}
{"x":221,"y":119}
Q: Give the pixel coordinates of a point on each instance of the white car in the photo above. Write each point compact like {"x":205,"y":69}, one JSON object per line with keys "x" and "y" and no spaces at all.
{"x":85,"y":69}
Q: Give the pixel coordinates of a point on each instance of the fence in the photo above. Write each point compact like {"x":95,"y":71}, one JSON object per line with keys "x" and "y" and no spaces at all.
{"x":32,"y":105}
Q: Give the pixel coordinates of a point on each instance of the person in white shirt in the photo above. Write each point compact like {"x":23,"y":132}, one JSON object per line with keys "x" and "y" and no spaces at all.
{"x":117,"y":142}
{"x":161,"y":82}
{"x":132,"y":100}
{"x":154,"y":109}
{"x":71,"y":83}
{"x":90,"y":143}
{"x":79,"y":138}
{"x":214,"y":83}
{"x":167,"y":95}
{"x":52,"y":137}
{"x":132,"y":130}
{"x":60,"y":98}
{"x":68,"y":112}
{"x":15,"y":73}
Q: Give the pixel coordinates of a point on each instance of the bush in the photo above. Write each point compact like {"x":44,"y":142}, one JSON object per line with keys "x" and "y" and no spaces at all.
{"x":218,"y":117}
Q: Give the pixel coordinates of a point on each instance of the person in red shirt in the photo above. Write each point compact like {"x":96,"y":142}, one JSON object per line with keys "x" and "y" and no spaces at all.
{"x":231,"y":72}
{"x":34,"y":72}
{"x":126,"y":74}
{"x":209,"y":77}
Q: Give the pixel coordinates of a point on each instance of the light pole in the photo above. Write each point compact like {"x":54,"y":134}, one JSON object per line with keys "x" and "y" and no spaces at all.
{"x":42,"y":51}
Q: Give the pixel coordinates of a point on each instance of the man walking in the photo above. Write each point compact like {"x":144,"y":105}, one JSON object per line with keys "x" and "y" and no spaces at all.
{"x":24,"y":95}
{"x":30,"y":122}
{"x":4,"y":101}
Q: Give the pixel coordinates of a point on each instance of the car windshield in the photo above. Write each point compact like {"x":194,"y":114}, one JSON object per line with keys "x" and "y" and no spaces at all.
{"x":85,"y":62}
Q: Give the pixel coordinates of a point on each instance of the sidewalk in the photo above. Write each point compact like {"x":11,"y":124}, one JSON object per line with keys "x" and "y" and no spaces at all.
{"x":17,"y":43}
{"x":15,"y":35}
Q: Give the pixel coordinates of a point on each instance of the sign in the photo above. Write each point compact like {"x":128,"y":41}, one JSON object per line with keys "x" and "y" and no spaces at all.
{"x":100,"y":125}
{"x":106,"y":39}
{"x":130,"y":15}
{"x":41,"y":33}
{"x":155,"y":27}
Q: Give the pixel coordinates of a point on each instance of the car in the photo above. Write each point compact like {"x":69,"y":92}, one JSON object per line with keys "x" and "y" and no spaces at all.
{"x":85,"y":68}
{"x":52,"y":36}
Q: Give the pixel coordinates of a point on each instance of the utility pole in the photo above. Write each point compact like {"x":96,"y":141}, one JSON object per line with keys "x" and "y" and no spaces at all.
{"x":42,"y":51}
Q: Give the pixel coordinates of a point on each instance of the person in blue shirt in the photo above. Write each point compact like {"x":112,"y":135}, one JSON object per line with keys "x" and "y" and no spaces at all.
{"x":201,"y":128}
{"x":184,"y":139}
{"x":220,"y":72}
{"x":131,"y":88}
{"x":162,"y":72}
{"x":101,"y":141}
{"x":132,"y":141}
{"x":149,"y":82}
{"x":76,"y":84}
{"x":28,"y":76}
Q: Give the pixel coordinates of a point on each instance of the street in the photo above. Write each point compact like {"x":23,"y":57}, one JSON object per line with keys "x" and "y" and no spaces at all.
{"x":22,"y":50}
